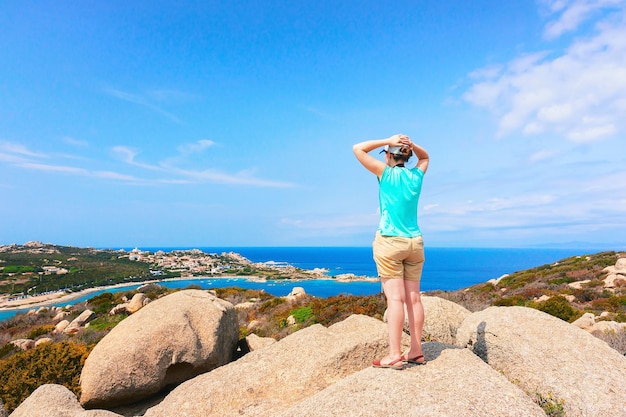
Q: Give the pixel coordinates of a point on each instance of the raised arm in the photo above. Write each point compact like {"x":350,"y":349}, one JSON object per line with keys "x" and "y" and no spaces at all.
{"x":361,"y":151}
{"x":421,"y":155}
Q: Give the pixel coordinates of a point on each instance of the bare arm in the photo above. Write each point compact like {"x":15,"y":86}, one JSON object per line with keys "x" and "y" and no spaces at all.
{"x":421,"y":155}
{"x":361,"y":151}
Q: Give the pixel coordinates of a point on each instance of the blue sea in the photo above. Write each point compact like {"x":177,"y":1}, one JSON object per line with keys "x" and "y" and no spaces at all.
{"x":445,"y":269}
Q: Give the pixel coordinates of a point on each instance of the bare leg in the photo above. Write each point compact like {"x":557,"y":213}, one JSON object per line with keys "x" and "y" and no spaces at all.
{"x":395,"y":293}
{"x":415,"y":311}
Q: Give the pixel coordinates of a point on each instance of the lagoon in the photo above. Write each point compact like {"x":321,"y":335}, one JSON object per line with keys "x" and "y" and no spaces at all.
{"x":445,"y":269}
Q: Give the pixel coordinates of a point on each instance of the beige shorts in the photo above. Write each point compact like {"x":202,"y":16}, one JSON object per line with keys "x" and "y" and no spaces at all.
{"x":399,"y":257}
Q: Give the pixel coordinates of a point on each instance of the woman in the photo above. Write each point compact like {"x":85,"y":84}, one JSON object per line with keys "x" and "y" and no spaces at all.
{"x":398,"y":246}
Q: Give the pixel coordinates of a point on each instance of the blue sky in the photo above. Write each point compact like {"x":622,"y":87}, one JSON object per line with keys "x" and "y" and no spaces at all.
{"x":212,"y":123}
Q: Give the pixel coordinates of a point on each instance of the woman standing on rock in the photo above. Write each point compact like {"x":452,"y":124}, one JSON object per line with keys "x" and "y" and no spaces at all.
{"x":398,"y":246}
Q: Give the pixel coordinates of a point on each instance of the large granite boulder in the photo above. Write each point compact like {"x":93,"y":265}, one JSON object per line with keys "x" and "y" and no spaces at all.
{"x":150,"y":287}
{"x":165,"y":343}
{"x":55,"y":401}
{"x":137,"y":302}
{"x":271,"y":379}
{"x":24,"y":344}
{"x":549,"y":358}
{"x":255,"y":342}
{"x":79,"y":322}
{"x":454,"y":382}
{"x":442,"y":319}
{"x":61,"y":326}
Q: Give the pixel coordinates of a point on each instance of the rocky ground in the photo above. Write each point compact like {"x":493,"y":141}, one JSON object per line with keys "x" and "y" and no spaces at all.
{"x":587,"y":291}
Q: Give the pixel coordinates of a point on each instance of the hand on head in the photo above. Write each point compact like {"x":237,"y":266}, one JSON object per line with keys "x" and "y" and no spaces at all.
{"x":400,"y":140}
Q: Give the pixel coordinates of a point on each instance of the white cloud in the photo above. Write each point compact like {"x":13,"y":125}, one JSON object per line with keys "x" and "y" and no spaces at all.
{"x":491,"y":205}
{"x":239,"y":178}
{"x":542,"y":155}
{"x":20,"y":156}
{"x":19,"y":149}
{"x":73,"y":141}
{"x":572,"y":13}
{"x":55,"y":168}
{"x":199,"y":146}
{"x":579,"y":93}
{"x":142,"y":101}
{"x":171,"y":167}
{"x":128,"y":155}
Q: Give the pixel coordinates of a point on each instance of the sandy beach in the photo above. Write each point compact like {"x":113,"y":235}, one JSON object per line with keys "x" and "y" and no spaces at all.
{"x":62,"y":296}
{"x":56,"y":297}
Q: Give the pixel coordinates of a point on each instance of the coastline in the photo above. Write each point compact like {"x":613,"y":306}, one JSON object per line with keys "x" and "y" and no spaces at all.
{"x":58,"y":297}
{"x":61,"y":296}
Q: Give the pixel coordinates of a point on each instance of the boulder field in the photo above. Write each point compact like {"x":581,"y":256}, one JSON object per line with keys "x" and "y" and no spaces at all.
{"x":176,"y":357}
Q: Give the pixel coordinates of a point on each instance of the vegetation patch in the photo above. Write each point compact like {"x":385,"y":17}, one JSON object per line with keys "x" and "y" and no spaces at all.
{"x":559,"y":307}
{"x":510,"y":301}
{"x":302,"y":314}
{"x":40,"y":331}
{"x":106,"y":322}
{"x":551,"y":406}
{"x":49,"y":363}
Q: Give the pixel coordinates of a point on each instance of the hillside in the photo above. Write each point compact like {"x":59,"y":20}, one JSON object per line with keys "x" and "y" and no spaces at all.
{"x":582,"y":284}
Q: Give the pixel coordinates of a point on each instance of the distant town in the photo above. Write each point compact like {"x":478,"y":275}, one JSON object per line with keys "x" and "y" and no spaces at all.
{"x":36,"y":268}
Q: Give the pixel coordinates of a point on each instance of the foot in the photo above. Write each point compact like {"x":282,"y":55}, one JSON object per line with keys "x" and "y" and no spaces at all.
{"x":387,"y":363}
{"x":414,"y":359}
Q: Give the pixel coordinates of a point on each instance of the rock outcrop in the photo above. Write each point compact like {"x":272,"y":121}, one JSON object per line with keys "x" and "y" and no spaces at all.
{"x":295,"y":294}
{"x":255,"y":342}
{"x":591,"y":323}
{"x":454,"y":382}
{"x":24,"y":344}
{"x":79,"y":322}
{"x":271,"y":379}
{"x":165,"y":343}
{"x":550,"y":358}
{"x":150,"y":287}
{"x":506,"y":360}
{"x":442,"y":319}
{"x":61,"y":326}
{"x":135,"y":304}
{"x":55,"y":401}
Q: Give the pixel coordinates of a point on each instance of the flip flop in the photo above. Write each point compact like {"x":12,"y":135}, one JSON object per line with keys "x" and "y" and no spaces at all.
{"x":415,"y":361}
{"x":396,"y":364}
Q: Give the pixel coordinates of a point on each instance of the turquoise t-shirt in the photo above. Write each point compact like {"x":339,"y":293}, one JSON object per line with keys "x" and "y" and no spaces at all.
{"x":399,"y":194}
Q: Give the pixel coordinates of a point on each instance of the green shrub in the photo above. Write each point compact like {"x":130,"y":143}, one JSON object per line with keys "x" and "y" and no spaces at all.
{"x":106,"y":322}
{"x":103,"y":303}
{"x":558,"y":306}
{"x":594,"y":283}
{"x":302,"y":314}
{"x":49,"y":363}
{"x":270,"y":304}
{"x":188,"y":287}
{"x":8,"y":349}
{"x":328,"y":311}
{"x":551,"y":406}
{"x":517,"y":280}
{"x":559,"y":281}
{"x":487,"y":288}
{"x":39,"y":331}
{"x":510,"y":301}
